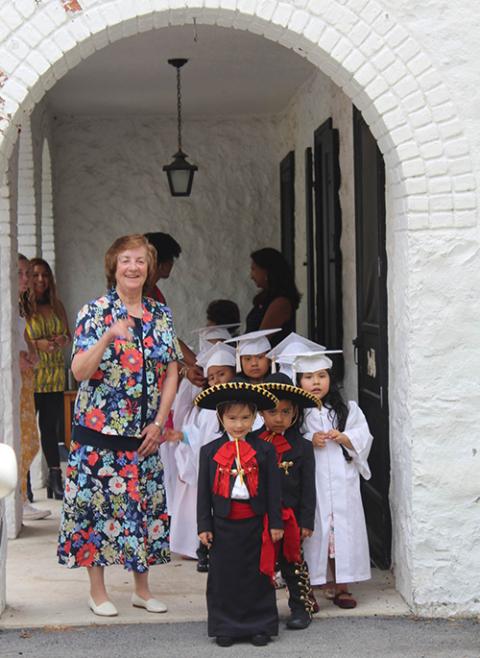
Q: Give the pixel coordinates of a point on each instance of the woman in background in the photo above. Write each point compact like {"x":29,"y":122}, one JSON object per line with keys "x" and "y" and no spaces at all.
{"x":275,"y":305}
{"x":29,"y":441}
{"x":48,"y":330}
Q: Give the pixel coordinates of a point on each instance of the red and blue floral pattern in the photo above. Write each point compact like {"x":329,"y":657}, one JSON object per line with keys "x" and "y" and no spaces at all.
{"x":113,"y":510}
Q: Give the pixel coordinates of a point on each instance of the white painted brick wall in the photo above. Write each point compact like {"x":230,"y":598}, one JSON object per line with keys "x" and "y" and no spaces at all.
{"x":403,"y":54}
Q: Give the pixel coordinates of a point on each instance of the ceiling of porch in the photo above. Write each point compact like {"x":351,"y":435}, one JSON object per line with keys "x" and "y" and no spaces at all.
{"x":230,"y":72}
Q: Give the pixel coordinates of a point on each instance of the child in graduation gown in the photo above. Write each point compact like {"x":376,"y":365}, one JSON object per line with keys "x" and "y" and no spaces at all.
{"x":218,"y":363}
{"x":296,"y":464}
{"x":252,"y":363}
{"x":338,"y":548}
{"x":239,"y":517}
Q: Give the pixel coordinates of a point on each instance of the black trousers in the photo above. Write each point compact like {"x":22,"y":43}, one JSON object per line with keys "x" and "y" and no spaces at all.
{"x":297,"y":579}
{"x":241,"y":601}
{"x":51,"y":422}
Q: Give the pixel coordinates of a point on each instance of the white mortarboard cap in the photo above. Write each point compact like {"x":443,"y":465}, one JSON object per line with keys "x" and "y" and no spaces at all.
{"x":214,"y":332}
{"x":255,"y":342}
{"x":313,"y":361}
{"x":290,"y":347}
{"x":218,"y":355}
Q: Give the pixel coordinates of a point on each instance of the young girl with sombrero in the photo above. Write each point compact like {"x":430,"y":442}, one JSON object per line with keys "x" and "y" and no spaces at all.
{"x":296,"y":464}
{"x":239,"y":517}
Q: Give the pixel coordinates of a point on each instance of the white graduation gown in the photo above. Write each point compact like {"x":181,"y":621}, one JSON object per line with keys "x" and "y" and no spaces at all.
{"x":338,"y":493}
{"x":202,"y":428}
{"x":181,"y":410}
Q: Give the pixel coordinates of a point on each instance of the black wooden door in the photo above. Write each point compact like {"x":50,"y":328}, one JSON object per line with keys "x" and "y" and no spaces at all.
{"x":287,"y":207}
{"x":371,"y":344}
{"x":328,"y":229}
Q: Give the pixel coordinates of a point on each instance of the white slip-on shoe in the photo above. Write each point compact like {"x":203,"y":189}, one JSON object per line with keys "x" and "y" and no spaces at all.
{"x":31,"y":513}
{"x":105,"y":609}
{"x":152,"y":605}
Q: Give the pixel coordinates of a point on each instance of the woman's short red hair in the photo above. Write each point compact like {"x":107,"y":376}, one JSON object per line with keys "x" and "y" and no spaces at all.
{"x":130,"y":242}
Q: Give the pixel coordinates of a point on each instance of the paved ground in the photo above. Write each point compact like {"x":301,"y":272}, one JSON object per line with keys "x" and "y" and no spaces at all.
{"x":383,"y":637}
{"x":42,"y":593}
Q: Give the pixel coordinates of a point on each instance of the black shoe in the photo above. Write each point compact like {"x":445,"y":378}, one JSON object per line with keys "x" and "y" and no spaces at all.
{"x":260,"y":640}
{"x":202,"y":565}
{"x":298,"y":621}
{"x":55,"y":484}
{"x":29,"y":489}
{"x":224,"y":641}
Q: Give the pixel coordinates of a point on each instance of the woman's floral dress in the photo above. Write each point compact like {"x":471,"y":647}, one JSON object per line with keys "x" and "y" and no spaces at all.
{"x":114,"y":508}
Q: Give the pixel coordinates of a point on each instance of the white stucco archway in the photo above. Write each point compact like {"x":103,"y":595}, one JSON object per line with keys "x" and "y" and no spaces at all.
{"x":430,"y":179}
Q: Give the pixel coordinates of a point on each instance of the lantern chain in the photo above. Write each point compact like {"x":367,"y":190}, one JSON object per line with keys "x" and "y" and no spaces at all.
{"x":179,"y":110}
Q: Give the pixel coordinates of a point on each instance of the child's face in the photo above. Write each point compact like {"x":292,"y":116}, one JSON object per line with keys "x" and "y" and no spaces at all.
{"x":220,"y":375}
{"x":238,"y":420}
{"x":317,"y":382}
{"x":281,"y":418}
{"x":255,"y":366}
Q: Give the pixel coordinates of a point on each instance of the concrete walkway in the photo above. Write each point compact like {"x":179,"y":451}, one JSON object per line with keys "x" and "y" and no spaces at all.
{"x":41,"y":593}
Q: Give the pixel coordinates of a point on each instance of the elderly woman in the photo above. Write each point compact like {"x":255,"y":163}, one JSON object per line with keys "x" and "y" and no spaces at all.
{"x":125,"y":356}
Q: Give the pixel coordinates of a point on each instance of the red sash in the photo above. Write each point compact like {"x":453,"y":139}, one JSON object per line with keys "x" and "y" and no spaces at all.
{"x":278,"y":441}
{"x":267,"y":554}
{"x":225,"y":457}
{"x":291,"y":536}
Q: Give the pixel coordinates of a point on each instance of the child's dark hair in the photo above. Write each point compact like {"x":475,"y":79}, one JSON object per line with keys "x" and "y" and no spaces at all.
{"x":223,"y":311}
{"x":223,"y":407}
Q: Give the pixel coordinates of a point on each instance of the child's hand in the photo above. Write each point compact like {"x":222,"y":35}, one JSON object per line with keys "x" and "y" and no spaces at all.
{"x":340,"y":438}
{"x":276,"y":534}
{"x":306,"y":532}
{"x":206,"y":538}
{"x":172,"y":435}
{"x":319,"y":439}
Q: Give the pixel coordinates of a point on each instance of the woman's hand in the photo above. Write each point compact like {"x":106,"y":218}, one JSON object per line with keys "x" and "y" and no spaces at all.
{"x":305,"y":532}
{"x":206,"y":538}
{"x":45,"y":345}
{"x":61,"y":341}
{"x":152,"y":440}
{"x":341,"y":439}
{"x":121,"y":329}
{"x":195,"y":376}
{"x":276,"y":534}
{"x":319,"y":439}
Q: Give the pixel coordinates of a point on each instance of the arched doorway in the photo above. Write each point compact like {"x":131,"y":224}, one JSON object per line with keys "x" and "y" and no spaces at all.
{"x":389,"y":79}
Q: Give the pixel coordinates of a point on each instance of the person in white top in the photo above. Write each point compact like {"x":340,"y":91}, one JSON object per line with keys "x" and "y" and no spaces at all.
{"x":338,"y":549}
{"x":202,"y":426}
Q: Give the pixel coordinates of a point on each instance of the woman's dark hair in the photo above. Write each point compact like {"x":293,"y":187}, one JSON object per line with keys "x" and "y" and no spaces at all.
{"x":280,"y":279}
{"x":334,"y":402}
{"x":223,"y":311}
{"x":166,"y":247}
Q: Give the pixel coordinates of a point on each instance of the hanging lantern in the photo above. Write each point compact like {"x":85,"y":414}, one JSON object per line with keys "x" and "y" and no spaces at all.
{"x":179,"y":172}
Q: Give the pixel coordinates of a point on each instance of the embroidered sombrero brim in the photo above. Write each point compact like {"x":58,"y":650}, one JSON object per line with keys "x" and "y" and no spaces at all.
{"x":297,"y":395}
{"x":236,"y":392}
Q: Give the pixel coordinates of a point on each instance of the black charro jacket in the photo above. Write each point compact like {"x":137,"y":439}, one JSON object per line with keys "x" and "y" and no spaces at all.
{"x":298,"y":480}
{"x":267,"y":500}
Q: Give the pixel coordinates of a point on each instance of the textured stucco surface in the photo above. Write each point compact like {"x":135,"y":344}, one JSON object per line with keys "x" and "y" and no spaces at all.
{"x":108,"y":182}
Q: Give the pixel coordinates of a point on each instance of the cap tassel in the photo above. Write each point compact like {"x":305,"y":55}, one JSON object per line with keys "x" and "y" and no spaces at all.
{"x":238,"y":363}
{"x":274,"y":366}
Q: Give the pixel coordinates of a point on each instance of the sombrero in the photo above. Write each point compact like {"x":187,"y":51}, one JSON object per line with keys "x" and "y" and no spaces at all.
{"x":281,"y":385}
{"x":236,"y":391}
